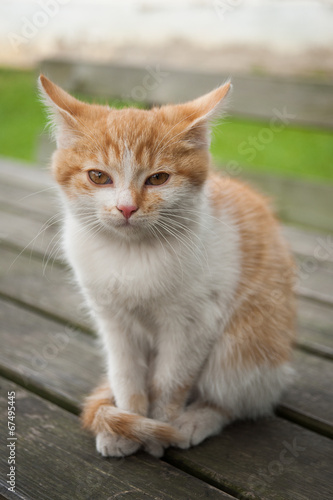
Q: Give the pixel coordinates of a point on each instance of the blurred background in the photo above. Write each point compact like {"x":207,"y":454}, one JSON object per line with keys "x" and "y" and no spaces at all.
{"x":279,"y":53}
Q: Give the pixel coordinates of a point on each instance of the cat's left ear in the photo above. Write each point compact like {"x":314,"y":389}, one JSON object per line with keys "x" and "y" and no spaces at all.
{"x":205,"y":110}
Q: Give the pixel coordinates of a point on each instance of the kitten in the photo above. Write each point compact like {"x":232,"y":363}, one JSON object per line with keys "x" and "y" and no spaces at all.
{"x":186,"y":273}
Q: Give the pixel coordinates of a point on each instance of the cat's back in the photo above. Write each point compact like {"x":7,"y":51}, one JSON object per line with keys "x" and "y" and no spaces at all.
{"x":250,"y":210}
{"x":242,"y":200}
{"x":266,"y":267}
{"x":262,"y":244}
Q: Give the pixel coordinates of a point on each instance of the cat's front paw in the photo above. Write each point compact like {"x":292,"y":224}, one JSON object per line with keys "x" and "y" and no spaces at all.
{"x":109,"y":445}
{"x":194,"y":428}
{"x":155,"y":449}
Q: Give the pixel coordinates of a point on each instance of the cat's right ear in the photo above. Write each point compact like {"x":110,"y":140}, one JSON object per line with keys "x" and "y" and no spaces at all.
{"x":65,"y":112}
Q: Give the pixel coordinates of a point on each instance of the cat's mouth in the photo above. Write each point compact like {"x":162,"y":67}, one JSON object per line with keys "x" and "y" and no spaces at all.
{"x":122,"y":225}
{"x":136,"y":224}
{"x":126,"y":223}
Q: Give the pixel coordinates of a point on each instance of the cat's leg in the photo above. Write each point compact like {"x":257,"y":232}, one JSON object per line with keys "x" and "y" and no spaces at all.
{"x":107,"y":444}
{"x":127,"y":362}
{"x":243,"y":376}
{"x":126,"y":356}
{"x":182,"y":350}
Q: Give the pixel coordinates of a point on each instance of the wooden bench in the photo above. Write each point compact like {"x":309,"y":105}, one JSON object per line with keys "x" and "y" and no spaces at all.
{"x":49,"y":358}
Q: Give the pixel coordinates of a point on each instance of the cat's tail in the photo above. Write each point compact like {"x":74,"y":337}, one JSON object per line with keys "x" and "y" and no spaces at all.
{"x":101,"y":415}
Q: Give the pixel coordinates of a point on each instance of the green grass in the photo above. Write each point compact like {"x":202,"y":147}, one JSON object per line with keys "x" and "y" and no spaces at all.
{"x":297,"y":152}
{"x":22,"y":118}
{"x":252,"y":145}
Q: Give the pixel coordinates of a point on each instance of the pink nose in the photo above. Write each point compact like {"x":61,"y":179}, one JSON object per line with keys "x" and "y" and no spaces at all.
{"x":127,"y":210}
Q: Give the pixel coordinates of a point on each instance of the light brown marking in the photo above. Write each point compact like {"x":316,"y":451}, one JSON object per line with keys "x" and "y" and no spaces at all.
{"x":176,"y":402}
{"x":138,"y":403}
{"x":101,"y":396}
{"x":262,"y":325}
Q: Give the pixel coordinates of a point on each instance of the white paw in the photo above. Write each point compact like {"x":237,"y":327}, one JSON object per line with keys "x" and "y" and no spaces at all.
{"x":110,"y":445}
{"x":194,"y":429}
{"x":154,"y":449}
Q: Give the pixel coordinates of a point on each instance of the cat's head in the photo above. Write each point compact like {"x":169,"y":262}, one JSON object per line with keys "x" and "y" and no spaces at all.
{"x":130,"y":168}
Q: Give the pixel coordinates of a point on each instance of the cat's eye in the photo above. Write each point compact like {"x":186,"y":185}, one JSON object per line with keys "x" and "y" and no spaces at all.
{"x":157,"y":179}
{"x":98,"y":177}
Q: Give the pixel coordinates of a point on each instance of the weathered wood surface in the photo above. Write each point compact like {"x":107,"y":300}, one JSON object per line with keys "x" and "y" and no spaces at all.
{"x":297,"y":201}
{"x":56,"y":459}
{"x":47,"y":288}
{"x":316,"y":322}
{"x":309,"y":401}
{"x":256,"y":96}
{"x":36,"y":349}
{"x":48,"y":349}
{"x":288,"y":462}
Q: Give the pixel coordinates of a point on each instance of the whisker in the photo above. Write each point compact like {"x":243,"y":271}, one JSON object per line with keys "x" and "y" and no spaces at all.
{"x":33,"y":240}
{"x":174,"y":251}
{"x":205,"y":215}
{"x":181,"y":238}
{"x":175,"y":225}
{"x":37,"y":192}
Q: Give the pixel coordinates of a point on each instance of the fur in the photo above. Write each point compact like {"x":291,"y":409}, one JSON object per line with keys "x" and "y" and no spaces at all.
{"x":191,"y":291}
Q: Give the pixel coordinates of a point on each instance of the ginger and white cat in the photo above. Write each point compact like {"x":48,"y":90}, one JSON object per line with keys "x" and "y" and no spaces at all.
{"x":186,"y":273}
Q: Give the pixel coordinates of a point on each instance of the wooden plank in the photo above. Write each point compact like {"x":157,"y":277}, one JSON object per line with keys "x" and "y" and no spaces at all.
{"x":309,"y":401}
{"x":315,"y":342}
{"x":28,"y":189}
{"x":30,"y":236}
{"x":271,"y":460}
{"x":56,"y":459}
{"x":256,"y":96}
{"x":310,"y":243}
{"x":316,"y":322}
{"x":290,"y":198}
{"x":27,"y":174}
{"x":38,"y":203}
{"x":57,"y":360}
{"x":316,"y":296}
{"x":315,"y":278}
{"x":48,"y":289}
{"x":314,"y":381}
{"x":41,"y":359}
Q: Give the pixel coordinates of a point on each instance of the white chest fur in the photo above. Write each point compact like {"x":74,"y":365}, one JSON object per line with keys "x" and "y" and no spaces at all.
{"x":168,"y":274}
